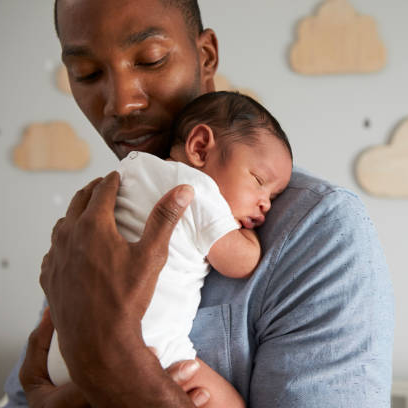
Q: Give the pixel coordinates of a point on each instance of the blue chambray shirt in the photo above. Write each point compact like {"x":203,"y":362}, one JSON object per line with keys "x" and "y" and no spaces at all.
{"x":313,"y":326}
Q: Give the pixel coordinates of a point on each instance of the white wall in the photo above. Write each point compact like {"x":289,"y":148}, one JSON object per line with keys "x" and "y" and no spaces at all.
{"x":323,"y":117}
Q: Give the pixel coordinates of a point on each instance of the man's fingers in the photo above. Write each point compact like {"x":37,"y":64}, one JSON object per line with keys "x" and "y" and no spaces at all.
{"x":81,"y":199}
{"x":182,"y":372}
{"x":164,"y":217}
{"x":35,"y":363}
{"x":199,"y":397}
{"x":57,"y":226}
{"x":103,"y":199}
{"x":34,"y":375}
{"x":154,"y":351}
{"x":70,"y":396}
{"x":43,"y":333}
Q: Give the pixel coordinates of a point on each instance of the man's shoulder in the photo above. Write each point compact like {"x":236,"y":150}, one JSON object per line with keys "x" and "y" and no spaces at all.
{"x":319,"y":236}
{"x":305,"y":202}
{"x":304,"y":182}
{"x":306,"y":192}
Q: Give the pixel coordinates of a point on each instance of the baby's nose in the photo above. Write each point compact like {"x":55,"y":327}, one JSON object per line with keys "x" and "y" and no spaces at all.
{"x":265,"y":205}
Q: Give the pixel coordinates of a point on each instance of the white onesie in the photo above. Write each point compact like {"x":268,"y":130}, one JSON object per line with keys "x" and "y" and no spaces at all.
{"x":169,"y":318}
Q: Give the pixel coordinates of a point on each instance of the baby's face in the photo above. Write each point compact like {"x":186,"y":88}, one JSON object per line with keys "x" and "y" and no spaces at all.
{"x":251,"y":177}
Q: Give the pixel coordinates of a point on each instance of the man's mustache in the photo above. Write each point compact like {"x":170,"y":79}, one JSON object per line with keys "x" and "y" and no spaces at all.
{"x":127,"y":123}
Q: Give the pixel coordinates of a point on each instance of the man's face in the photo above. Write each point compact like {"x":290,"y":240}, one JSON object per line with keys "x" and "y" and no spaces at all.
{"x":132,"y":66}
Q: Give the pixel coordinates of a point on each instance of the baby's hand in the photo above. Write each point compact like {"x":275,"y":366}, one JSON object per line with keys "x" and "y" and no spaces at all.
{"x":205,"y":386}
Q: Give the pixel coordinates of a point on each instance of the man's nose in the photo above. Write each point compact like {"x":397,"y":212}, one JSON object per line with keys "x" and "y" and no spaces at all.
{"x":124,"y":94}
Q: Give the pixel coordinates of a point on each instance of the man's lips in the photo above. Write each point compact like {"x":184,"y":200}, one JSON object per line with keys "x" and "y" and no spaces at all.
{"x":135,"y":137}
{"x":141,"y":138}
{"x":124,"y":145}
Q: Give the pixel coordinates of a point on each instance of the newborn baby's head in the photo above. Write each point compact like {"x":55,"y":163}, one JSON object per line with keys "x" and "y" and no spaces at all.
{"x":237,"y":142}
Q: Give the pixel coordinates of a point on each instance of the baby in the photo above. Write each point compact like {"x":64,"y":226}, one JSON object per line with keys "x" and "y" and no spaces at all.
{"x":237,"y":158}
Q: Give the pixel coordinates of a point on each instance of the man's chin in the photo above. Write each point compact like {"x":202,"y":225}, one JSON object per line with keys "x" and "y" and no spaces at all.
{"x":122,"y":150}
{"x":154,"y":147}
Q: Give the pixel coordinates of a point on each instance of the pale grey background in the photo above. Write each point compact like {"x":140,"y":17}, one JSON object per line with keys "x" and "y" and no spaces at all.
{"x":323,"y":116}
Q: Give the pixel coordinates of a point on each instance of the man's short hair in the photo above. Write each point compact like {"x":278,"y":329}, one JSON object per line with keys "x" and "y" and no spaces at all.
{"x":233,"y":118}
{"x":191,"y":13}
{"x":189,"y":9}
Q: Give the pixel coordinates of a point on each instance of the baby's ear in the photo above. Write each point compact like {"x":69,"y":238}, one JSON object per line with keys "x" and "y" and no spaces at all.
{"x":200,"y":142}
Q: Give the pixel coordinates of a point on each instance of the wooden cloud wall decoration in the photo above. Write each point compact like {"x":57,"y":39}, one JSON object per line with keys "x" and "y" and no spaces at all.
{"x":51,"y":146}
{"x":383,"y":170}
{"x":337,"y":41}
{"x":62,"y":81}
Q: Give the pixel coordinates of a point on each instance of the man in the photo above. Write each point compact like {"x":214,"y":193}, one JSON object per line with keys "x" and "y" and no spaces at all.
{"x":311,"y":328}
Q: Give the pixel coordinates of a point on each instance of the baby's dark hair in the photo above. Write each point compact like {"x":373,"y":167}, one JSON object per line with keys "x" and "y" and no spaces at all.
{"x":233,"y":118}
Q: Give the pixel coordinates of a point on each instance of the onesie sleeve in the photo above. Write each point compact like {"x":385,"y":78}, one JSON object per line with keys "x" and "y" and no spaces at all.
{"x":211,"y":214}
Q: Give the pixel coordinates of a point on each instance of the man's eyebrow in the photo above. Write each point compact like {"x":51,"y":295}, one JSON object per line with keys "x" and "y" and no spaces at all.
{"x":75,"y":51}
{"x":137,"y":38}
{"x":134,"y":38}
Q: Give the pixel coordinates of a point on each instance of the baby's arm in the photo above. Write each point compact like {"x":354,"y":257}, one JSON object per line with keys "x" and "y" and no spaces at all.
{"x":236,"y":254}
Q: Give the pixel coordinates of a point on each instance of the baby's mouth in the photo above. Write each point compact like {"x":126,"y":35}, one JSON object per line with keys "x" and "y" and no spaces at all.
{"x":248,"y":223}
{"x":252,"y":222}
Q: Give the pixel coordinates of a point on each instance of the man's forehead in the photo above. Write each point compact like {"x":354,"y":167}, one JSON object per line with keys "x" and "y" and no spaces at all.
{"x":108,"y":8}
{"x":119,"y":17}
{"x":136,"y":4}
{"x":96,"y":2}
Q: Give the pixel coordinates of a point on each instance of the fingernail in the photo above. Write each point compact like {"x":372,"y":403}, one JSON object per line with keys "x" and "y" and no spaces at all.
{"x":187,"y":370}
{"x":184,"y":195}
{"x":201,"y":398}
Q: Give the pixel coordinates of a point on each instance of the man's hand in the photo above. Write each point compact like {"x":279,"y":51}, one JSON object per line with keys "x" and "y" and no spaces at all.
{"x":39,"y":390}
{"x":205,"y":387}
{"x":99,"y":286}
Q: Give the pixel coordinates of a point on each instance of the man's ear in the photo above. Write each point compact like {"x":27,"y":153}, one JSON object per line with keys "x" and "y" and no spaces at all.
{"x":207,"y":46}
{"x":200,"y":142}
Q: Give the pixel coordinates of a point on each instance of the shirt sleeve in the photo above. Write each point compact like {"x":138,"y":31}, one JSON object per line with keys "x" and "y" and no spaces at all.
{"x":325,"y":334}
{"x":13,"y":389}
